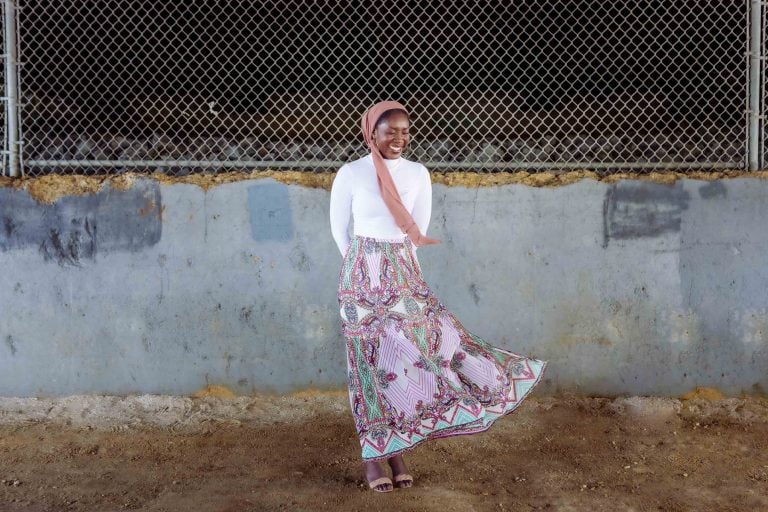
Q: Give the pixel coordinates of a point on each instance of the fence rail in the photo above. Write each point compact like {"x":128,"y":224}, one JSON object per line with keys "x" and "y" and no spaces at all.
{"x":108,"y":86}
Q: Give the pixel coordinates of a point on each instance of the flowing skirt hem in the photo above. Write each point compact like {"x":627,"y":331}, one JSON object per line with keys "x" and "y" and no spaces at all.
{"x":467,"y":428}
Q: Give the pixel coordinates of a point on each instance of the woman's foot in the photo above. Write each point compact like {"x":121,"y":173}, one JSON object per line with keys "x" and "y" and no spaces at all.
{"x":377,"y":477}
{"x":399,"y":472}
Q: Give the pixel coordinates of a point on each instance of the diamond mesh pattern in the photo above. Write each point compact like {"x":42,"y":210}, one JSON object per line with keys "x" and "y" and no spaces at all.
{"x":114,"y":85}
{"x":761,"y":143}
{"x":4,"y":171}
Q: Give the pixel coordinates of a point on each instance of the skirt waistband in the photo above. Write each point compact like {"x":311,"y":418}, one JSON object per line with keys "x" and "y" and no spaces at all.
{"x":404,"y":240}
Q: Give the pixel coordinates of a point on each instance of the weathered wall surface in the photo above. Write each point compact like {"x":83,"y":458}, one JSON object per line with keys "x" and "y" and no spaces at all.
{"x":628,"y":287}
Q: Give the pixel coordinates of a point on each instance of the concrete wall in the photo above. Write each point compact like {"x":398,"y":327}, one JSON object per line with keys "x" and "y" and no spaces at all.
{"x":633,"y":287}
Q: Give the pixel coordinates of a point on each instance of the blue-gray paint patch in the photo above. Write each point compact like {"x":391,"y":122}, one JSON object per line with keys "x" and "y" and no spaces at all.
{"x":642,"y":209}
{"x":270,"y":209}
{"x":712,"y":190}
{"x":76,"y":228}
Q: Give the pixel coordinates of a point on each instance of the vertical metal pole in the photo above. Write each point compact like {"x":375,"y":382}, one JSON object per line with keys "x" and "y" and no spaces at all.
{"x":11,"y":88}
{"x":755,"y":76}
{"x":761,"y":135}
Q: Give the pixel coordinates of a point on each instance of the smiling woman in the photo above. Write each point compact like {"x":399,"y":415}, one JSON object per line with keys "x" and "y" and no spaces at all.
{"x":414,"y":372}
{"x":392,"y":134}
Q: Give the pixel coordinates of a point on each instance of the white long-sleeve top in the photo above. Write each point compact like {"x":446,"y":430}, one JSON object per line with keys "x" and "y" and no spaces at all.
{"x":355,"y":195}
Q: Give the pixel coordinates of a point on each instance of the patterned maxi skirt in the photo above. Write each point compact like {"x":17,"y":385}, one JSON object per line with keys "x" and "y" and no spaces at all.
{"x":414,"y":372}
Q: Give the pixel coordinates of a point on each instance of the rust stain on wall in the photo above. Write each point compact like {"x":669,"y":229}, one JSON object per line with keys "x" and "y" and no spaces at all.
{"x":148,"y":208}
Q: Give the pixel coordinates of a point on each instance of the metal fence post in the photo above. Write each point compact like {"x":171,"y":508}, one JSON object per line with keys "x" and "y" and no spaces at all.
{"x":11,"y":88}
{"x":755,"y":66}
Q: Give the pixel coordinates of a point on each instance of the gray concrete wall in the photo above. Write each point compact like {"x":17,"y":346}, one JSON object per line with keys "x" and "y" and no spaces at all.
{"x":626,"y":288}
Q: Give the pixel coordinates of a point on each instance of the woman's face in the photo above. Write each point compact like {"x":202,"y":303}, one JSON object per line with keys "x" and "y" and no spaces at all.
{"x":391,"y":136}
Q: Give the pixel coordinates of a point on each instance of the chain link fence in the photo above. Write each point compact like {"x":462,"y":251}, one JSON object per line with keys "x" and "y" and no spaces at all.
{"x":759,"y":76}
{"x":110,"y":86}
{"x":3,"y":91}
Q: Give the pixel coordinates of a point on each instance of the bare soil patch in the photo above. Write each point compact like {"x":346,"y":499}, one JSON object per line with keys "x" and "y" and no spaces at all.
{"x":300,"y":453}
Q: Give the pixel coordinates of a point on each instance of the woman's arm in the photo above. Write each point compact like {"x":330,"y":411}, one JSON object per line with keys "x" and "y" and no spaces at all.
{"x":422,"y":209}
{"x":341,"y":208}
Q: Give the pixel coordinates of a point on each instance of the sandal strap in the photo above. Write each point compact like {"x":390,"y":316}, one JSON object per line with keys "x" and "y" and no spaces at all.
{"x":380,"y":481}
{"x":402,"y":478}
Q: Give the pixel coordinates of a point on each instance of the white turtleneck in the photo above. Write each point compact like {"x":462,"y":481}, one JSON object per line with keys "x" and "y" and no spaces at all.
{"x":356,"y":195}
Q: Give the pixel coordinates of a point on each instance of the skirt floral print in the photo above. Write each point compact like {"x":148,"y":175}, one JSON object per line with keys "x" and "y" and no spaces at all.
{"x":414,"y":372}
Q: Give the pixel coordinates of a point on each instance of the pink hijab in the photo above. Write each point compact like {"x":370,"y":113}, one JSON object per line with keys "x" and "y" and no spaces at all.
{"x":389,"y":193}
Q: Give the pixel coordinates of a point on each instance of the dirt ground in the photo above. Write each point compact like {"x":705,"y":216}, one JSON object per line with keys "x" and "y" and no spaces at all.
{"x":300,"y":453}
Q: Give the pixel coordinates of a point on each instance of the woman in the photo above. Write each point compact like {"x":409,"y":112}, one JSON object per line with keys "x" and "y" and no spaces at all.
{"x":414,"y":372}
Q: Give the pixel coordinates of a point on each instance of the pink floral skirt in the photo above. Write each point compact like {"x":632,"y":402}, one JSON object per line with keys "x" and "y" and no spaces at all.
{"x":414,"y":372}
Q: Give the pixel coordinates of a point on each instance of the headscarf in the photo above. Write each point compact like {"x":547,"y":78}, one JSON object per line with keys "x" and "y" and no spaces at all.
{"x":389,"y":193}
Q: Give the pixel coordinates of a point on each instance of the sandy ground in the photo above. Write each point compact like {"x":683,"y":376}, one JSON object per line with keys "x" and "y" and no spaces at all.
{"x":300,"y":453}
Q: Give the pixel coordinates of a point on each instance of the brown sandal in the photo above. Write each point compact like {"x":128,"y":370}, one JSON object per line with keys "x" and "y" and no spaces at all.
{"x":381,"y":481}
{"x":401,"y":479}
